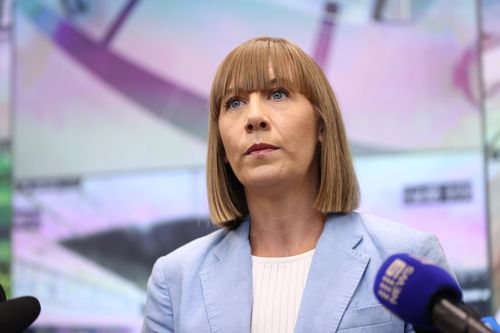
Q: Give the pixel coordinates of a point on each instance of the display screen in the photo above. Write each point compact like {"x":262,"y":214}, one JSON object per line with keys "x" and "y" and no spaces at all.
{"x":110,"y":130}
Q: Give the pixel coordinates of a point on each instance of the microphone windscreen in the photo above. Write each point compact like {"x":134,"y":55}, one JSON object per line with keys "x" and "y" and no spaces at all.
{"x":3,"y":297}
{"x":408,"y":287}
{"x":18,"y":313}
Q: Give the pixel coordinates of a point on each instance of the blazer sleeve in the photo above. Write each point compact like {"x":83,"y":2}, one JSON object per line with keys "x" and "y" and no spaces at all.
{"x":427,"y":246}
{"x":158,"y":316}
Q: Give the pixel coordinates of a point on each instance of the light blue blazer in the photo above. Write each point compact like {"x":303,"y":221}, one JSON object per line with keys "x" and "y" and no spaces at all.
{"x":206,"y":285}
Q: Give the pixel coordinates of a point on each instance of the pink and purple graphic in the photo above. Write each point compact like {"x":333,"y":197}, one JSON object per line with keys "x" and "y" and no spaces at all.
{"x":111,"y":123}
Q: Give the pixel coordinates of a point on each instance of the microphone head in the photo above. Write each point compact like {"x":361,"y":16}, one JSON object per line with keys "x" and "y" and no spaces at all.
{"x":408,"y":287}
{"x":17,"y":314}
{"x":3,"y":297}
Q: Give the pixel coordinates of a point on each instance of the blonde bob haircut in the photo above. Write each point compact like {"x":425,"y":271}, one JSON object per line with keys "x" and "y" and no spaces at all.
{"x":247,"y":69}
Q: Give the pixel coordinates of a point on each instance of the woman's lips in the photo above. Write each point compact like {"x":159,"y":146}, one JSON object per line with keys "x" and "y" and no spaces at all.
{"x":260,"y":149}
{"x":261,"y":152}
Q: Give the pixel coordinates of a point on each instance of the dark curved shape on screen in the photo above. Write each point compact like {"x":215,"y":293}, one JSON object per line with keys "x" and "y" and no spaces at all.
{"x":131,"y":252}
{"x":162,"y":98}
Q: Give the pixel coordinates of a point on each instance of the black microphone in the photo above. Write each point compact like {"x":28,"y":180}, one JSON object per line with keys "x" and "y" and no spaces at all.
{"x":17,"y":314}
{"x":3,"y":297}
{"x":425,"y":296}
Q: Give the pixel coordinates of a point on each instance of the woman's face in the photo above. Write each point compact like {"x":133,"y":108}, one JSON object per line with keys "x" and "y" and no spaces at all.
{"x":270,"y":137}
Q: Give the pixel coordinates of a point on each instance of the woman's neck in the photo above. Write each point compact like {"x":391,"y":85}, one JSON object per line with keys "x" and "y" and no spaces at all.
{"x":283,"y":223}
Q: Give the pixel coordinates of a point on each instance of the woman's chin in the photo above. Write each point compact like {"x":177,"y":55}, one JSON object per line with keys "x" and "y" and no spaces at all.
{"x":264,"y":180}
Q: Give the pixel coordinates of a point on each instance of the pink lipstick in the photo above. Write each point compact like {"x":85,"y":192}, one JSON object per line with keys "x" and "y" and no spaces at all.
{"x":260,"y":149}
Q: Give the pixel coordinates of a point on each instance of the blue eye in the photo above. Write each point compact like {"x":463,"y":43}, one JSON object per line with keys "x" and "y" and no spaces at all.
{"x":233,"y":103}
{"x":279,"y":95}
{"x":236,"y":103}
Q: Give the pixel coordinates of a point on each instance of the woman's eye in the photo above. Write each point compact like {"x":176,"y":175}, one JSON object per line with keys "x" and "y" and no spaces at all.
{"x":279,"y":95}
{"x":233,"y":103}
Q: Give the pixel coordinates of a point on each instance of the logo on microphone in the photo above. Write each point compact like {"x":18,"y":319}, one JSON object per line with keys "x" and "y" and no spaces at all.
{"x":394,"y":279}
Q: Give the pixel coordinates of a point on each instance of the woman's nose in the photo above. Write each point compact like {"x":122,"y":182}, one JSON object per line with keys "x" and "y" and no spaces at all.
{"x":254,"y":125}
{"x":257,"y":119}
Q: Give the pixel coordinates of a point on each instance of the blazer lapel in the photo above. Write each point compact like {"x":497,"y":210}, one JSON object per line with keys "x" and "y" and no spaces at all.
{"x":227,"y":284}
{"x":335,"y":272}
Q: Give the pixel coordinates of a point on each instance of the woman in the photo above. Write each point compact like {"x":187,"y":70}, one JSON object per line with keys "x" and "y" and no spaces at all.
{"x":291,"y":255}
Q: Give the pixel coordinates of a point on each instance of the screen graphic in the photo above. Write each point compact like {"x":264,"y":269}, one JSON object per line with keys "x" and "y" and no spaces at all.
{"x":110,"y":127}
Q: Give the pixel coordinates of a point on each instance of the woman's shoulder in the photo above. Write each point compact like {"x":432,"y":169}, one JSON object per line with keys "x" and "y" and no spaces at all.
{"x":391,"y":237}
{"x":386,"y":229}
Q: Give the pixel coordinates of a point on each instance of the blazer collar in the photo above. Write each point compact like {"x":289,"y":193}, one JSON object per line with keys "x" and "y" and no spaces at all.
{"x":335,"y":272}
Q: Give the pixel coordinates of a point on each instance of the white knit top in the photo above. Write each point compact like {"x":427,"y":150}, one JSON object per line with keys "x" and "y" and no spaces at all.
{"x":278,"y":285}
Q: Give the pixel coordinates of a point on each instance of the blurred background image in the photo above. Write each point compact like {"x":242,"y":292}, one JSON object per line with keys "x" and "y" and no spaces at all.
{"x":103,"y":129}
